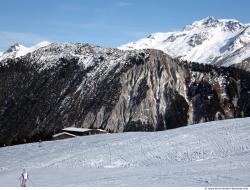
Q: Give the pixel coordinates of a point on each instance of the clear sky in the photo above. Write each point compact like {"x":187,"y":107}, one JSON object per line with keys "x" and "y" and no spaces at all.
{"x":109,"y":23}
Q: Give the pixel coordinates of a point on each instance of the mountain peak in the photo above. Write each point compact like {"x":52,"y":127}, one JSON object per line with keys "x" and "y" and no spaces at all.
{"x":18,"y":50}
{"x":211,"y":22}
{"x":208,"y":19}
{"x":15,"y":47}
{"x":208,"y":40}
{"x":205,"y":22}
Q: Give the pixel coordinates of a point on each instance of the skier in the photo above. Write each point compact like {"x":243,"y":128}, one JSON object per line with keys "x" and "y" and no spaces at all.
{"x":23,"y":178}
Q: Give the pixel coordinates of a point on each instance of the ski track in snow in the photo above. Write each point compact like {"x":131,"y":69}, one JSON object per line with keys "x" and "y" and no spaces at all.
{"x":208,"y":154}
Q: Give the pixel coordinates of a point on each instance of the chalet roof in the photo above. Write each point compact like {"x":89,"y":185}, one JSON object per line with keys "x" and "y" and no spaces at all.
{"x":81,"y":130}
{"x":64,"y":133}
{"x":75,"y":129}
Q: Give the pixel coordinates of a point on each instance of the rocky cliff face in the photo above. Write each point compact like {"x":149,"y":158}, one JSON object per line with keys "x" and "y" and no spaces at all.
{"x":64,"y":85}
{"x":244,"y":65}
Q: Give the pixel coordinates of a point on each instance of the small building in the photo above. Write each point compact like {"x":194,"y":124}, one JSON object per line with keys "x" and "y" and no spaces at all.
{"x":71,"y":132}
{"x":63,"y":135}
{"x":83,"y":131}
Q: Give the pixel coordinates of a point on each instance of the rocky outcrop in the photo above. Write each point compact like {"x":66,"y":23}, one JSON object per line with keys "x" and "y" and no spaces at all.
{"x":64,"y":85}
{"x":244,"y":65}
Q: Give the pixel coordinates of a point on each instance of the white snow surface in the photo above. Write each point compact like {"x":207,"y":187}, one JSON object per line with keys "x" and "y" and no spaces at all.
{"x":50,"y":56}
{"x":56,"y":135}
{"x":208,"y":154}
{"x":206,"y":41}
{"x":76,"y":129}
{"x":18,"y":50}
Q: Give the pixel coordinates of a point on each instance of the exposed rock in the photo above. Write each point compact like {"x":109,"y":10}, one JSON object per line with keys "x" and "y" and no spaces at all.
{"x":64,"y":85}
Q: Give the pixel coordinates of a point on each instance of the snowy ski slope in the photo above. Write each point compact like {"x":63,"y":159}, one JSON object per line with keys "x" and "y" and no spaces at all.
{"x":208,"y":154}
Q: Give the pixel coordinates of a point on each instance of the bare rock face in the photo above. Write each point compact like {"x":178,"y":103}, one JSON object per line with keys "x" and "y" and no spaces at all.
{"x":244,"y":65}
{"x":64,"y":85}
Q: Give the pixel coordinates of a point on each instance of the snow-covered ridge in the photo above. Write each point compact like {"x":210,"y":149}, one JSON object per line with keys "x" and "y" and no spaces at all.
{"x":206,"y":41}
{"x":18,"y":50}
{"x":87,"y":55}
{"x":208,"y":154}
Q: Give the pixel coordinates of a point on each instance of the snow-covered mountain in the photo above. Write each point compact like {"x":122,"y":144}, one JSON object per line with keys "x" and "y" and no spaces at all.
{"x":73,"y":84}
{"x":18,"y":50}
{"x":212,"y":41}
{"x":208,"y":154}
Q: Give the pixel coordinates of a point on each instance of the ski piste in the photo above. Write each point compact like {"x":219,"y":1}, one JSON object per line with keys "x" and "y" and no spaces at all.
{"x":209,"y":154}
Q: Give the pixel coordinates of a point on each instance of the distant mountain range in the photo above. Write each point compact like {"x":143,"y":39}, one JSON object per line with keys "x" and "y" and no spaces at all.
{"x":51,"y":86}
{"x":211,"y":41}
{"x":221,"y":42}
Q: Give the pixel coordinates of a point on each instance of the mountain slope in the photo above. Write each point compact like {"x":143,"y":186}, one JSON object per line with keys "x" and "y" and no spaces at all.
{"x":211,"y":41}
{"x":208,"y":154}
{"x":18,"y":50}
{"x":244,"y":65}
{"x":64,"y":85}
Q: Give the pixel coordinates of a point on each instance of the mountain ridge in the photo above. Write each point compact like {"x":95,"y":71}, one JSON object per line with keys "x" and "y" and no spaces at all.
{"x":81,"y":85}
{"x":207,"y":41}
{"x":18,"y":50}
